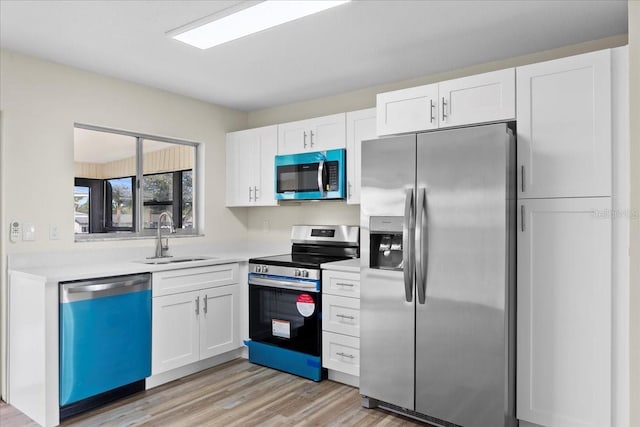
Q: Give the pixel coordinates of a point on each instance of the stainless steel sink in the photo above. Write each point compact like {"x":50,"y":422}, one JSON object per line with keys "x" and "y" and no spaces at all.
{"x":173,"y":260}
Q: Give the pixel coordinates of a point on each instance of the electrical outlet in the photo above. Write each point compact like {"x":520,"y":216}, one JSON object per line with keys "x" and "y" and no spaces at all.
{"x":54,"y":233}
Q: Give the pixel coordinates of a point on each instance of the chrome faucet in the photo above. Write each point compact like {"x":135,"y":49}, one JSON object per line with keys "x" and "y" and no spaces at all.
{"x":162,"y":249}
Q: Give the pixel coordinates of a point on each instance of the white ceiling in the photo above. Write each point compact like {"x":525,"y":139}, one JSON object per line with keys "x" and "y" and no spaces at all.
{"x":357,"y":45}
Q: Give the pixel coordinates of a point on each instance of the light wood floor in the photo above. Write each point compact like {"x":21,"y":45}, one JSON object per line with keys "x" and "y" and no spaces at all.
{"x":237,"y":393}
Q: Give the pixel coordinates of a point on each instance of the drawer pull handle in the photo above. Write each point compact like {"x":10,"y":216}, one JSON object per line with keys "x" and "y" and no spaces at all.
{"x":350,"y":356}
{"x":344,"y":316}
{"x":345,"y":284}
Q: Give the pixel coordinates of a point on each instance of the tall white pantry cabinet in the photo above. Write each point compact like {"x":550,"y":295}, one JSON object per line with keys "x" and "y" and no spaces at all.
{"x":566,"y":286}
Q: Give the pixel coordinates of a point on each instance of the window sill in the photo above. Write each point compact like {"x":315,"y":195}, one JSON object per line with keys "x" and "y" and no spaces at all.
{"x":102,"y":237}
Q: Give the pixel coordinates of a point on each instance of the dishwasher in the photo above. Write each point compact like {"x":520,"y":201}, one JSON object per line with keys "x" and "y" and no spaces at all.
{"x":105,"y":340}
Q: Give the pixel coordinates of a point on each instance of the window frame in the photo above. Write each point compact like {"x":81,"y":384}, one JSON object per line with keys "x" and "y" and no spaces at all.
{"x":101,"y":231}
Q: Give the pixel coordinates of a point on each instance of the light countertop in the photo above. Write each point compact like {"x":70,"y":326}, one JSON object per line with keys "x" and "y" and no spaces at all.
{"x":61,"y":267}
{"x":349,"y":265}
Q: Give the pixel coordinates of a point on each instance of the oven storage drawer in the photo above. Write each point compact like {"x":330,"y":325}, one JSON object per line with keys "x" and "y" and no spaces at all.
{"x":341,"y":315}
{"x":194,"y":279}
{"x":341,"y":353}
{"x":341,"y":283}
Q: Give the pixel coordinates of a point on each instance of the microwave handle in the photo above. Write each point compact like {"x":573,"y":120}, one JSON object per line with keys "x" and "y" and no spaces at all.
{"x":321,"y":179}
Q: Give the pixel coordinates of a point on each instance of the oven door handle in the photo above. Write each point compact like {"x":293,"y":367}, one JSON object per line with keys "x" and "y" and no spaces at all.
{"x":285,"y":284}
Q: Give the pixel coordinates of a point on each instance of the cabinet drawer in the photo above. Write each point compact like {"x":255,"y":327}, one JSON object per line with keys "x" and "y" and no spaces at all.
{"x":192,"y":279}
{"x":341,"y":353}
{"x":341,"y":315}
{"x":341,"y":283}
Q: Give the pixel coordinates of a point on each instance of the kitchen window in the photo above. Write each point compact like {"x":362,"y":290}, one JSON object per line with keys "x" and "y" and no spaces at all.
{"x":124,"y":181}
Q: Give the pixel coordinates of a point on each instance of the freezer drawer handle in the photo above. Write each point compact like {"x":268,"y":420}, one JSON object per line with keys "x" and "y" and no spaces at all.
{"x":344,"y":316}
{"x":350,"y":356}
{"x":408,"y":230}
{"x":422,"y":239}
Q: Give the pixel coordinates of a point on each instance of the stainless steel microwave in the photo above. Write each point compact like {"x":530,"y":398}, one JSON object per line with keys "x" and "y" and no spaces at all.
{"x":311,"y":176}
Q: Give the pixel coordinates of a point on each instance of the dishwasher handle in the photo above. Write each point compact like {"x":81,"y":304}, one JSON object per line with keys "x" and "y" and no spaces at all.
{"x":98,"y":288}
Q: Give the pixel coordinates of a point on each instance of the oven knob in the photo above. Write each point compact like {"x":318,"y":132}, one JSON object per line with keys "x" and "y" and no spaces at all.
{"x":265,"y":269}
{"x":258,"y":268}
{"x":305,"y":273}
{"x":297,"y":273}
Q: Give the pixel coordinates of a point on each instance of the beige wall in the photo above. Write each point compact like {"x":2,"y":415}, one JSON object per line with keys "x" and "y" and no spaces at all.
{"x":634,"y":114}
{"x":40,"y":101}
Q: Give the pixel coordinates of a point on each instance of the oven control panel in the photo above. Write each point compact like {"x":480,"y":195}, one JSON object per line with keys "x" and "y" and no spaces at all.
{"x":260,"y":268}
{"x":292,"y":272}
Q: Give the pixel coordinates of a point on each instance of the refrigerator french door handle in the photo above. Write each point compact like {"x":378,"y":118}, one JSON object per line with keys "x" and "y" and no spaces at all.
{"x":421,"y":245}
{"x":408,"y":229}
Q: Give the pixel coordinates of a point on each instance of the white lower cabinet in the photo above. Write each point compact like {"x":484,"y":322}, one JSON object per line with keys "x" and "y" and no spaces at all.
{"x":197,"y":324}
{"x":341,"y":325}
{"x":341,"y":353}
{"x":564,"y":312}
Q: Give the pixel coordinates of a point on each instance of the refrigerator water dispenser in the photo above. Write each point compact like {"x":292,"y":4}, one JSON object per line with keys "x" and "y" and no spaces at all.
{"x":386,"y":243}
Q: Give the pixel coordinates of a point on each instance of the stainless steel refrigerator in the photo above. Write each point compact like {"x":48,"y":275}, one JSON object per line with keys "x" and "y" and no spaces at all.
{"x":438,"y":284}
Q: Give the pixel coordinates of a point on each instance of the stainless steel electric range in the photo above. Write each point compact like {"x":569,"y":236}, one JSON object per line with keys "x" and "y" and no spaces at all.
{"x":285,"y":299}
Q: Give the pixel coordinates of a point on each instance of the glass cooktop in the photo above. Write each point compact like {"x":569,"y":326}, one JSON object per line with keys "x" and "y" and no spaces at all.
{"x":297,"y":260}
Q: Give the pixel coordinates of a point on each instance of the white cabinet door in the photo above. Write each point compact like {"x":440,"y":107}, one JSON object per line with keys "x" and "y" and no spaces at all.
{"x":564,"y":312}
{"x":293,"y":137}
{"x":317,"y":134}
{"x":481,"y":98}
{"x":264,"y":193}
{"x":407,"y":110}
{"x":341,"y":315}
{"x":341,"y":353}
{"x":361,"y":125}
{"x":341,"y":283}
{"x":328,"y":132}
{"x":564,"y":127}
{"x":219,"y":320}
{"x":175,"y":331}
{"x":240,"y":174}
{"x":250,"y":166}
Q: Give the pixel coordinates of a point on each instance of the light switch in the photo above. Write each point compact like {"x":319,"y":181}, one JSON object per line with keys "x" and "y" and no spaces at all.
{"x":28,"y":232}
{"x":54,"y":233}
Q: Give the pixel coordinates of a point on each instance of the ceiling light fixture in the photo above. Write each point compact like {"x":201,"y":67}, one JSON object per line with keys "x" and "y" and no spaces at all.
{"x":252,"y":17}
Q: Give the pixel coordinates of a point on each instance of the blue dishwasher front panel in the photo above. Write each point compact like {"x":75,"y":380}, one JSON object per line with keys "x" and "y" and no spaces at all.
{"x":105,"y":343}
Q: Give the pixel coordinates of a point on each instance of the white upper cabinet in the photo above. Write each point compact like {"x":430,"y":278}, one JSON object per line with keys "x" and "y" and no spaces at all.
{"x":407,"y":110}
{"x":250,"y":167}
{"x":361,"y":125}
{"x":317,"y":134}
{"x":564,"y":127}
{"x":487,"y":97}
{"x":480,"y":98}
{"x":564,"y":313}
